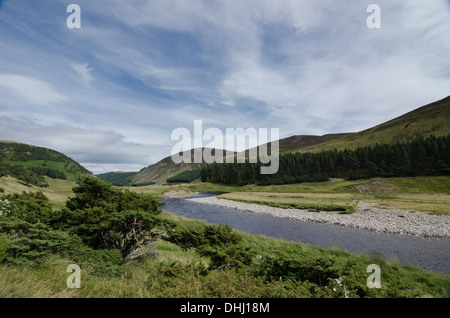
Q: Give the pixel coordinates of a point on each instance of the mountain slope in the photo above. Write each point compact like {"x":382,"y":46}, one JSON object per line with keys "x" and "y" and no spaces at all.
{"x":166,"y":168}
{"x":39,"y":160}
{"x":118,"y":178}
{"x":430,"y":119}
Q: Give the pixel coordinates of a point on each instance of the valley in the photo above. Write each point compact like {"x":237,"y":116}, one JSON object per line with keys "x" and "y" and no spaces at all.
{"x":393,"y":212}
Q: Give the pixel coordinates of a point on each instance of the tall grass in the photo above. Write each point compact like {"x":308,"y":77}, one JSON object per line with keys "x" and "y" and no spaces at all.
{"x":177,"y":273}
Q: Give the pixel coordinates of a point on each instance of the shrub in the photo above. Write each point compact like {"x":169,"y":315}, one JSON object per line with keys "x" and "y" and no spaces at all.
{"x":4,"y":245}
{"x":5,"y":207}
{"x":31,"y":207}
{"x":33,"y":242}
{"x":106,"y":262}
{"x":93,"y":192}
{"x":318,"y":270}
{"x":224,"y":247}
{"x":106,"y":217}
{"x":128,"y":230}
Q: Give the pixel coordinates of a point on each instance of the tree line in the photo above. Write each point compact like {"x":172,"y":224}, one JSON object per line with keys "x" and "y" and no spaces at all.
{"x":419,"y":157}
{"x":30,"y":175}
{"x":15,"y":152}
{"x":185,"y":177}
{"x":23,"y":152}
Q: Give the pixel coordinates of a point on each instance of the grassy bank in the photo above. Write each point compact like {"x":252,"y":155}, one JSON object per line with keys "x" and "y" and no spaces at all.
{"x":415,"y":193}
{"x":430,"y":194}
{"x":181,"y":273}
{"x":314,"y":202}
{"x":277,"y":269}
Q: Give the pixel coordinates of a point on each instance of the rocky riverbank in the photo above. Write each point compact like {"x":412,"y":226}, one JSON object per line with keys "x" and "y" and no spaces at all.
{"x":178,"y":194}
{"x":366,"y":216}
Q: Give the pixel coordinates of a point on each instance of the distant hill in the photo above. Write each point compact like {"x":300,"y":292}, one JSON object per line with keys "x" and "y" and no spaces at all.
{"x":430,"y":119}
{"x":26,"y":162}
{"x":433,"y":119}
{"x":118,"y":178}
{"x":166,"y":168}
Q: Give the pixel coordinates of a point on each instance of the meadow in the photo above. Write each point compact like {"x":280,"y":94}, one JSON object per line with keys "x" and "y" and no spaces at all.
{"x":431,"y":194}
{"x":273,"y":267}
{"x":180,"y":273}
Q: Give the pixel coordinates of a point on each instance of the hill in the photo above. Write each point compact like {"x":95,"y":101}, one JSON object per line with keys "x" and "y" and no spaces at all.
{"x":30,"y":163}
{"x":166,"y":168}
{"x":433,"y":119}
{"x":430,"y":119}
{"x":118,"y":178}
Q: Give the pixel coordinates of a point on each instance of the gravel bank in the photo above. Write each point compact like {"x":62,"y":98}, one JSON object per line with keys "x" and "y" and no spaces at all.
{"x":366,"y":216}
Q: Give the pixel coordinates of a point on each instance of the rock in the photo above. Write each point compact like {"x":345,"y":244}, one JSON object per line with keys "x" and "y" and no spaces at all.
{"x":366,"y":216}
{"x":146,"y":251}
{"x":178,"y":193}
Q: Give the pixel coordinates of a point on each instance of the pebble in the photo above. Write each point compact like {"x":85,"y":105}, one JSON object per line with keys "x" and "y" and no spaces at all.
{"x":366,"y":216}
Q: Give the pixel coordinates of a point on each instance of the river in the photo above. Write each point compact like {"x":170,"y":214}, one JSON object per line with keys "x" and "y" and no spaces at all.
{"x":431,"y":254}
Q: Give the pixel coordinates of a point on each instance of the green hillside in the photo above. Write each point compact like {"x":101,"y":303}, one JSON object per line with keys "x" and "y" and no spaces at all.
{"x":117,"y":178}
{"x":430,"y":119}
{"x":422,"y":122}
{"x":31,"y":163}
{"x":165,"y":169}
{"x":186,"y":176}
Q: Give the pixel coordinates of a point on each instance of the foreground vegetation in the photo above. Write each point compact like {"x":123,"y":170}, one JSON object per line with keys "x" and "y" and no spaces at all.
{"x":127,"y":248}
{"x":279,"y":269}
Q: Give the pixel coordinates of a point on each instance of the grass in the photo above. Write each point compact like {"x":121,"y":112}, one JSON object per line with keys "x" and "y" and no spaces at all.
{"x":58,"y":191}
{"x":343,"y":202}
{"x":439,"y":184}
{"x":430,"y":194}
{"x":416,"y":193}
{"x":422,"y":184}
{"x":174,"y":274}
{"x":438,"y":203}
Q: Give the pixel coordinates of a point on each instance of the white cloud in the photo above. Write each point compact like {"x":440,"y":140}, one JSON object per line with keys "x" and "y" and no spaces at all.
{"x":92,"y":148}
{"x":134,"y":73}
{"x":30,"y":89}
{"x":84,"y":71}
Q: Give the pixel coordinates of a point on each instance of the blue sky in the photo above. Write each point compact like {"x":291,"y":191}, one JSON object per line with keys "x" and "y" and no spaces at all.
{"x":110,"y":93}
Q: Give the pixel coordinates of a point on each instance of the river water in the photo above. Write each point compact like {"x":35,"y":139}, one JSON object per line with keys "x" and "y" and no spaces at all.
{"x":431,"y":254}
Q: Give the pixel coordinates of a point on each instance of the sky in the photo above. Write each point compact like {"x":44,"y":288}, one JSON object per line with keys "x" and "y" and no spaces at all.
{"x":110,"y":93}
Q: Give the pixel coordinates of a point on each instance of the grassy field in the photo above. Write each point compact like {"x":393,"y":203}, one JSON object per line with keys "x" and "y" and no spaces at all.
{"x":175,"y":273}
{"x":344,"y":202}
{"x":431,"y":194}
{"x":58,"y":190}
